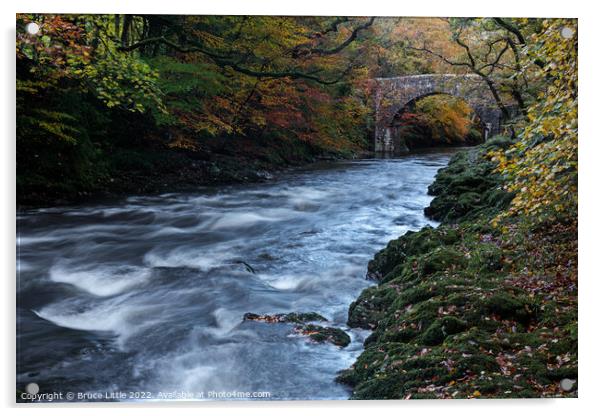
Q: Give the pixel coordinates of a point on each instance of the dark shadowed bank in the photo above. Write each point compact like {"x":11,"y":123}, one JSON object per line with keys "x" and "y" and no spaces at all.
{"x":469,"y":309}
{"x":154,"y":166}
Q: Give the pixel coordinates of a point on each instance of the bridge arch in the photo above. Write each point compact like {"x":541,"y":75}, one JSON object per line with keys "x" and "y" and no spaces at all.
{"x":394,"y":94}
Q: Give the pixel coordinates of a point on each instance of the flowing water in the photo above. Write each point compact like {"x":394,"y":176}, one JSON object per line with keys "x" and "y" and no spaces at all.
{"x":147,"y":295}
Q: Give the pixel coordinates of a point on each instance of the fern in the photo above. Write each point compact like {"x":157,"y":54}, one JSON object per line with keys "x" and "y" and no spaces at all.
{"x":45,"y":124}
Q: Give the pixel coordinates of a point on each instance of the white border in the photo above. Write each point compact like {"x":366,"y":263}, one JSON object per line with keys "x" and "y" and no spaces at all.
{"x":590,"y":151}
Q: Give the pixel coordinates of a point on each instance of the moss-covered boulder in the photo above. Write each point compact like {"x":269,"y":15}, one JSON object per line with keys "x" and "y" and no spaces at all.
{"x":370,"y":306}
{"x":303,"y":326}
{"x":293,"y":317}
{"x":469,"y":186}
{"x":440,"y":259}
{"x":508,"y":306}
{"x":386,"y":262}
{"x":321,"y":334}
{"x":436,"y":333}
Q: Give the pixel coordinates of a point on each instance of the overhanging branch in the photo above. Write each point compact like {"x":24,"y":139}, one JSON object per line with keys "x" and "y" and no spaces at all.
{"x":510,"y":28}
{"x":354,"y":34}
{"x":229,"y":61}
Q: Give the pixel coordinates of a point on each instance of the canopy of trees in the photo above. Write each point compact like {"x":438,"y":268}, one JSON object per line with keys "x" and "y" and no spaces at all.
{"x":98,"y":94}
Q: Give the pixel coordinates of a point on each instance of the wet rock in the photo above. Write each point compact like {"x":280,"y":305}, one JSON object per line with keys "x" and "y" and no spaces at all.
{"x":316,"y":333}
{"x":469,"y":186}
{"x":370,"y":307}
{"x":293,"y":317}
{"x":323,"y":334}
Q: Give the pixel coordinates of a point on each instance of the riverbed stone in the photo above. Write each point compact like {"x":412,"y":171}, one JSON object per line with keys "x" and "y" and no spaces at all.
{"x":316,"y":333}
{"x":293,"y":317}
{"x":321,"y":334}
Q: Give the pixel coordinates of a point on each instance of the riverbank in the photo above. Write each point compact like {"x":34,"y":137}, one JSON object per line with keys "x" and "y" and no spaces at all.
{"x":160,"y":166}
{"x":469,"y":309}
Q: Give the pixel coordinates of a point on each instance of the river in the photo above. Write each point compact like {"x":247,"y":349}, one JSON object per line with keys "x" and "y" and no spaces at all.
{"x":147,"y":294}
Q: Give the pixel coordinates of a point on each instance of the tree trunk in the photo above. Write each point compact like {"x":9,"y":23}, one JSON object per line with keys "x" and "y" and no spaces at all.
{"x":125,"y":34}
{"x":117,"y":20}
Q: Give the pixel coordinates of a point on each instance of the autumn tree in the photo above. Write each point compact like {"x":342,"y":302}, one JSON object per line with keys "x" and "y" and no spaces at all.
{"x":542,"y":165}
{"x":490,"y":48}
{"x":438,"y":120}
{"x":88,"y":85}
{"x":245,"y":75}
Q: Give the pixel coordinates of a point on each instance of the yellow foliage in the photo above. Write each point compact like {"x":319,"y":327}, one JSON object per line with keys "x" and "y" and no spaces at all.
{"x":542,"y":165}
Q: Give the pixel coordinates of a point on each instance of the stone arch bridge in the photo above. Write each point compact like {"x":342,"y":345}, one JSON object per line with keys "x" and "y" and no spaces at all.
{"x":392,"y":95}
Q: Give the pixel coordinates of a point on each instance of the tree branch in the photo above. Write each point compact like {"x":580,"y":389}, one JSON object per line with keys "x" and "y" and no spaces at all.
{"x":473,"y":68}
{"x":344,"y":44}
{"x":510,"y":28}
{"x":443,"y":58}
{"x":466,"y":48}
{"x":333,"y":27}
{"x":229,"y":61}
{"x":495,"y":62}
{"x":226,"y":61}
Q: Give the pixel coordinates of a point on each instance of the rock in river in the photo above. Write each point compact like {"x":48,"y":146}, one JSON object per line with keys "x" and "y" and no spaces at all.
{"x":315,"y":333}
{"x":293,"y":317}
{"x":322,"y":334}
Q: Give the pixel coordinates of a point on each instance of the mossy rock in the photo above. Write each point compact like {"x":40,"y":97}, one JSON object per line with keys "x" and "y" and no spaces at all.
{"x":441,"y":259}
{"x":416,"y":294}
{"x":394,"y":254}
{"x":449,"y":235}
{"x":468,"y":201}
{"x":389,"y":262}
{"x":386,"y":260}
{"x":293,"y":317}
{"x":323,"y":334}
{"x":436,"y":333}
{"x":301,"y":317}
{"x":468,"y":187}
{"x":497,"y":198}
{"x":369,"y":361}
{"x":509,"y":306}
{"x":370,"y":307}
{"x":486,"y":258}
{"x":409,"y":325}
{"x":473,"y":340}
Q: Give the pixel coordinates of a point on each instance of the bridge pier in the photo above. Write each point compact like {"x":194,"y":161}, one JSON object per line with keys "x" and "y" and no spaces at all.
{"x":491,"y":121}
{"x":391,"y":142}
